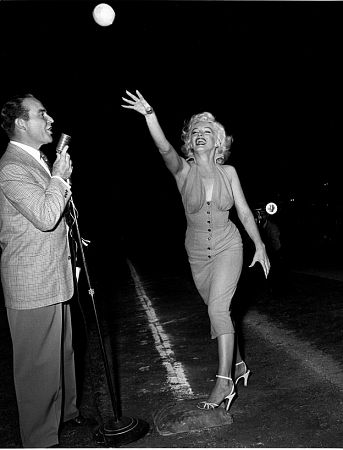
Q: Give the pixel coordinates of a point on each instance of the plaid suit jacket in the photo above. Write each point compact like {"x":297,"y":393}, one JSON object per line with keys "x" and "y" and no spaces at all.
{"x":36,"y":267}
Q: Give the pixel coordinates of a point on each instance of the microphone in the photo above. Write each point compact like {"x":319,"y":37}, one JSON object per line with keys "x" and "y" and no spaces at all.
{"x":64,"y":140}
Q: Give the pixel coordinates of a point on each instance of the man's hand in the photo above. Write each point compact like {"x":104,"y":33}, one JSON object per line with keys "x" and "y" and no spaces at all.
{"x":63,"y":166}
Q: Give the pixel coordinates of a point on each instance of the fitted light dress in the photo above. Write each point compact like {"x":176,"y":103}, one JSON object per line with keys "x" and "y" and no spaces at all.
{"x":213,"y":244}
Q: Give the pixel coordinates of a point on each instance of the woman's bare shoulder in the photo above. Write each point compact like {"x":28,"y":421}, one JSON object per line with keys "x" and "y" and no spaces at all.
{"x":230,"y":170}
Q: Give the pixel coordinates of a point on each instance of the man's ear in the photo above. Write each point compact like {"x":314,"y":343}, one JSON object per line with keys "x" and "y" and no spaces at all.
{"x":20,"y":123}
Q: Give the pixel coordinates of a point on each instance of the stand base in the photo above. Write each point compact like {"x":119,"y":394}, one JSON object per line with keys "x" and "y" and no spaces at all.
{"x":121,"y":432}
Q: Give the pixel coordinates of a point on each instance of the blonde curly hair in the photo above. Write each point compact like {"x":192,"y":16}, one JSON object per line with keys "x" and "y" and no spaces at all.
{"x":223,"y":142}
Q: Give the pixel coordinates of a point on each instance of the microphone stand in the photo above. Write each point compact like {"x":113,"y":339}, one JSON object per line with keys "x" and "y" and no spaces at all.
{"x":119,"y":430}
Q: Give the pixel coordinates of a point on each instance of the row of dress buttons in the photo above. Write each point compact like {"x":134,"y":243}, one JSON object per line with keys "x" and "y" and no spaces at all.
{"x":209,"y":230}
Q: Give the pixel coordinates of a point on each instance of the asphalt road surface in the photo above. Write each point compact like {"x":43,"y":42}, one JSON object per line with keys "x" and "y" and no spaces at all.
{"x":156,"y":333}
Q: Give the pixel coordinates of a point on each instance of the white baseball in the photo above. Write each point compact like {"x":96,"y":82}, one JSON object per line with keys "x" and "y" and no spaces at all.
{"x":103,"y":14}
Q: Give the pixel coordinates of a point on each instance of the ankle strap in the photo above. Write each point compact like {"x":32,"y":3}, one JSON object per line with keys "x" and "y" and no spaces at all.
{"x":225,"y":378}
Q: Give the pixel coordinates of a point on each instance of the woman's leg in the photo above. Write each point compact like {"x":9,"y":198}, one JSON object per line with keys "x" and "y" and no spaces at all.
{"x":239,"y":368}
{"x":226,"y":343}
{"x":224,"y":281}
{"x":222,"y":388}
{"x":238,"y":358}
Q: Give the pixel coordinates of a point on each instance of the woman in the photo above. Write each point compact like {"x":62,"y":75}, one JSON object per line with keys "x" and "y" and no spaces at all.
{"x":213,"y":243}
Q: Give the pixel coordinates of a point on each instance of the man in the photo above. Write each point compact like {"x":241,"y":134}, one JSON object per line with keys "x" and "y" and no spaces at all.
{"x":270,"y":234}
{"x":36,"y":272}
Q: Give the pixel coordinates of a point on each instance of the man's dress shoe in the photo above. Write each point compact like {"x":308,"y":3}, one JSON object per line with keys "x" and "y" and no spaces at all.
{"x":81,"y":421}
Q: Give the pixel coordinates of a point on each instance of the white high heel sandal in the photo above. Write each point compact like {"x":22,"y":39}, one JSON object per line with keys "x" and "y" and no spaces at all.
{"x":245,"y":375}
{"x":227,"y":399}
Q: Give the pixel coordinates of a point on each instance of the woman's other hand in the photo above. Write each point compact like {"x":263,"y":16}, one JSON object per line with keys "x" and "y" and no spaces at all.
{"x":138,"y":103}
{"x":261,"y":257}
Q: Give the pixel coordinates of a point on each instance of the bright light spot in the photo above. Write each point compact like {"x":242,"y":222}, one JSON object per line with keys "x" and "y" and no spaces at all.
{"x":271,"y":208}
{"x":103,"y":14}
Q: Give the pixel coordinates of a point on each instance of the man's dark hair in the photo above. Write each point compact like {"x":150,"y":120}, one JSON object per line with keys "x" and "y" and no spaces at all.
{"x":12,"y":110}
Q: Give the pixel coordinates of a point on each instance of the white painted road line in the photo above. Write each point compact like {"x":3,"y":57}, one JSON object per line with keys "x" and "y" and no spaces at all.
{"x":176,"y":377}
{"x":318,"y":362}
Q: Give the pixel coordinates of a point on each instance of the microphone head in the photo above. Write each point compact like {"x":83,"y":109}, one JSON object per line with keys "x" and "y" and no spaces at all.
{"x":64,"y":140}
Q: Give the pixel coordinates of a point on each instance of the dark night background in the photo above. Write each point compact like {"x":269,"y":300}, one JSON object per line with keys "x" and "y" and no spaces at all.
{"x":269,"y":71}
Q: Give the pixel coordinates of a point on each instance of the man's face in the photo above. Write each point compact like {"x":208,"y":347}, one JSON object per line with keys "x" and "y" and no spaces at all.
{"x":38,"y":128}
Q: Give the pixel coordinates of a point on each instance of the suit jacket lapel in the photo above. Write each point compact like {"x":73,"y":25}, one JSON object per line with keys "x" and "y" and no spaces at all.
{"x":20,"y":155}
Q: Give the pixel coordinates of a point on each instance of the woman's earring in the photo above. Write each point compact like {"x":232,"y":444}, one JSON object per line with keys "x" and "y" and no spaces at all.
{"x":218,"y":156}
{"x":190,"y":157}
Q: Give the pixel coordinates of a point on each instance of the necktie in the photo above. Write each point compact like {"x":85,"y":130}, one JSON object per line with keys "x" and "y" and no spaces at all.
{"x":45,"y":159}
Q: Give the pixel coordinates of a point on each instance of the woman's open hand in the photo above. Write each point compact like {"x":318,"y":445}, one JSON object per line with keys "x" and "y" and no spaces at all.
{"x":261,"y":257}
{"x":138,"y":103}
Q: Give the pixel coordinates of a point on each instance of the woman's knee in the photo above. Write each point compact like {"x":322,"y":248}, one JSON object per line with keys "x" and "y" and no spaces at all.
{"x":217,"y":310}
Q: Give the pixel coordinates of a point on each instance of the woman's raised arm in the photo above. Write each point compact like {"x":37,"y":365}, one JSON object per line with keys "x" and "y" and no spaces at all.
{"x":173,"y":161}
